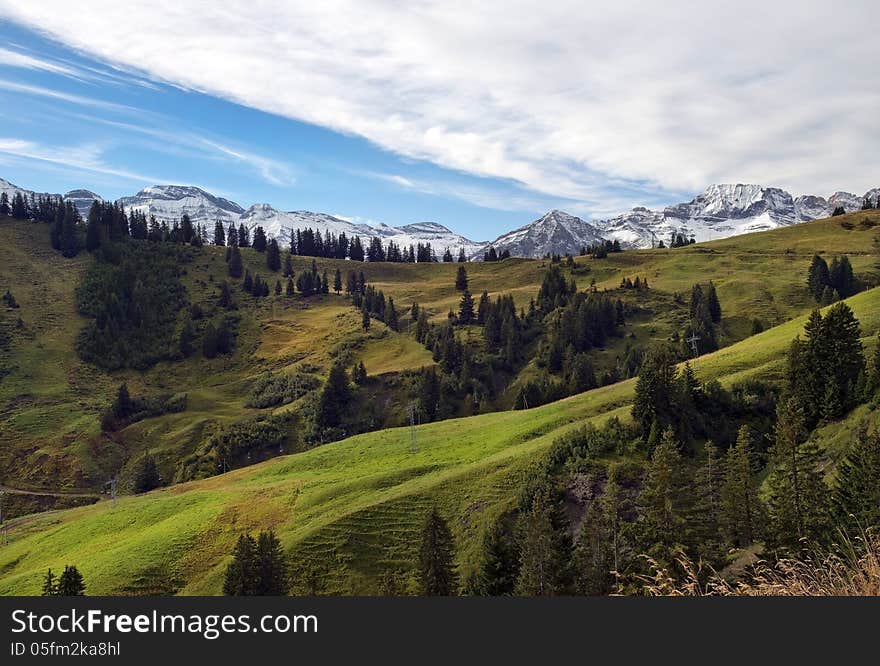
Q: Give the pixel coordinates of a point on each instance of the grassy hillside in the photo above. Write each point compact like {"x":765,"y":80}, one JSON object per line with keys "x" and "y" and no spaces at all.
{"x":349,"y":511}
{"x":51,"y":402}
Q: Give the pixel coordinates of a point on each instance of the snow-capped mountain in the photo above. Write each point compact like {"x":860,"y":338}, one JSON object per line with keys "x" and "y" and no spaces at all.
{"x":170,"y":202}
{"x":280,"y":224}
{"x":720,"y":211}
{"x":11,"y":189}
{"x":556,"y":232}
{"x":82,"y":200}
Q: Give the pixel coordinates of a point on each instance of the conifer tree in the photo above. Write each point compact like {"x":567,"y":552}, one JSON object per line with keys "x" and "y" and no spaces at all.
{"x":271,"y":566}
{"x":235,"y":266}
{"x":797,"y":504}
{"x":278,"y":287}
{"x":466,"y":309}
{"x":288,"y":265}
{"x":817,"y":277}
{"x":334,"y":398}
{"x":259,"y":242}
{"x":5,"y":209}
{"x":462,"y":258}
{"x":289,"y":290}
{"x":540,"y":561}
{"x":461,"y":279}
{"x":50,"y":582}
{"x":273,"y":256}
{"x":662,"y":500}
{"x":219,"y":234}
{"x":857,"y":489}
{"x":704,"y":516}
{"x":391,"y":315}
{"x":740,"y":508}
{"x":713,"y":303}
{"x":365,"y":320}
{"x":241,"y":573}
{"x":337,"y":281}
{"x":71,"y":583}
{"x":498,"y":564}
{"x":437,"y":574}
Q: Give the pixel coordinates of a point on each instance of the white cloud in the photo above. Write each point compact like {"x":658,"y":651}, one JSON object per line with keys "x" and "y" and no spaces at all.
{"x":573,"y":99}
{"x":85,"y":157}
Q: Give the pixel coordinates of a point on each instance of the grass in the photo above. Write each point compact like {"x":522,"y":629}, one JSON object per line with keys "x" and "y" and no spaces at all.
{"x":349,"y":510}
{"x":50,"y":402}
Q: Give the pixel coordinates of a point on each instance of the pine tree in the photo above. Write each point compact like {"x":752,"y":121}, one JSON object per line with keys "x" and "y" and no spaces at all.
{"x":817,"y":277}
{"x":289,"y":290}
{"x":713,"y":303}
{"x":841,"y":277}
{"x":462,"y":258}
{"x":461,"y":279}
{"x":740,"y":507}
{"x":662,"y":500}
{"x":437,"y":574}
{"x":844,"y":363}
{"x":365,"y":320}
{"x":391,"y":315}
{"x":259,"y":242}
{"x":655,"y":392}
{"x":145,"y":476}
{"x":797,"y":504}
{"x":466,"y":309}
{"x":498,"y":564}
{"x":278,"y":287}
{"x":50,"y":582}
{"x":288,"y":265}
{"x":337,"y":281}
{"x":271,"y":566}
{"x":429,"y":393}
{"x":334,"y":398}
{"x":93,"y":227}
{"x":219,"y":234}
{"x":273,"y":256}
{"x":703,"y":527}
{"x":540,"y":559}
{"x":235,"y":266}
{"x":71,"y":583}
{"x":241,"y":573}
{"x":5,"y":209}
{"x":857,"y":489}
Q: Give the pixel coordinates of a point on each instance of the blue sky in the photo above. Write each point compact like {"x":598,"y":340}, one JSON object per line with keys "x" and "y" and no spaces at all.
{"x":479,"y":120}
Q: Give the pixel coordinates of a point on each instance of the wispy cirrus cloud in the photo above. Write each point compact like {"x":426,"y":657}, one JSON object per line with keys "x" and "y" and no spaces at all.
{"x":83,"y":157}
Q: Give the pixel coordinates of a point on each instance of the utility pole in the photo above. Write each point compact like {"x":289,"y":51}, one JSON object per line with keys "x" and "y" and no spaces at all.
{"x":693,"y":343}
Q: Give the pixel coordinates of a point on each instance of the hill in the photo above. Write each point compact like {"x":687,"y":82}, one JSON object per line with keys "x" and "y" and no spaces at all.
{"x":348,"y":511}
{"x":52,"y":401}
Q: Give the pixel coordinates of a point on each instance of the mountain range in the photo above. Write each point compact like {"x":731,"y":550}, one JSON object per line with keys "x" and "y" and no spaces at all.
{"x":720,"y":211}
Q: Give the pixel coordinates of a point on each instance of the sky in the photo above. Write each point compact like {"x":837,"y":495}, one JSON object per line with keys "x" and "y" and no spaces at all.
{"x":479,"y":116}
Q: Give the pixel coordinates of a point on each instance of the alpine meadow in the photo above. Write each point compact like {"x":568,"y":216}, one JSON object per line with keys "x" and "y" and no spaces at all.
{"x":327,"y":301}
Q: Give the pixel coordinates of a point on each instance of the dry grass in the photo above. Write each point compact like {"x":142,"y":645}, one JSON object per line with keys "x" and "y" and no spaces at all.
{"x":853,"y":572}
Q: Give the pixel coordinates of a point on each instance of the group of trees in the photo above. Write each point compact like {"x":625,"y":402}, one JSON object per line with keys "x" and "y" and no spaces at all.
{"x":309,"y":242}
{"x":492,"y":255}
{"x":704,"y":315}
{"x":69,"y":584}
{"x":830,"y":284}
{"x":601,"y":250}
{"x":258,"y":567}
{"x":826,"y":370}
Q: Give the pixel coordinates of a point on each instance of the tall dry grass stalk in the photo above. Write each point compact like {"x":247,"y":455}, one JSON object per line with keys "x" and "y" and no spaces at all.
{"x":855,"y":571}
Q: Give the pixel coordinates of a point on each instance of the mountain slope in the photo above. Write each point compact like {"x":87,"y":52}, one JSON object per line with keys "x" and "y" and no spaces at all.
{"x":556,"y":232}
{"x":332,"y":506}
